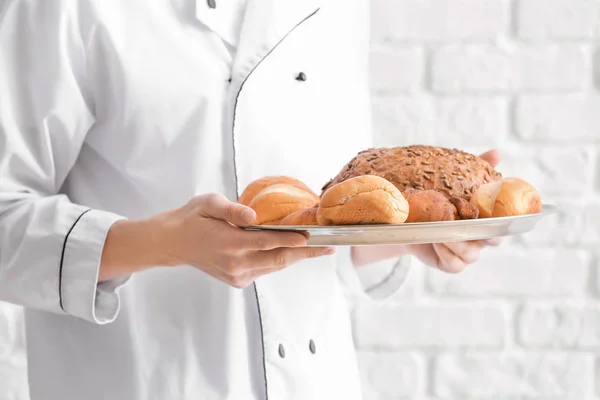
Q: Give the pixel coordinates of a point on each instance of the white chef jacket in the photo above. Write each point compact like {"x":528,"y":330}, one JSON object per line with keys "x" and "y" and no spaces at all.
{"x":114,"y":109}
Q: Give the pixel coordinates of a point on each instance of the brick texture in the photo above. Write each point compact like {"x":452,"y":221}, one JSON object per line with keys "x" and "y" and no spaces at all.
{"x":460,"y":69}
{"x":424,"y":21}
{"x":522,"y":76}
{"x":429,"y":327}
{"x":518,"y":272}
{"x":559,"y":326}
{"x":439,"y":121}
{"x":546,"y":166}
{"x":557,"y":19}
{"x":575,"y":224}
{"x":396,"y":70}
{"x":558,"y":118}
{"x":391,"y":375}
{"x":524,"y":376}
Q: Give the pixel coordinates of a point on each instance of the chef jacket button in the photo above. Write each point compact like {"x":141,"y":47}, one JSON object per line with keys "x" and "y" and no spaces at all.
{"x":312,"y":347}
{"x":212,"y":3}
{"x":281,"y":351}
{"x":301,"y":77}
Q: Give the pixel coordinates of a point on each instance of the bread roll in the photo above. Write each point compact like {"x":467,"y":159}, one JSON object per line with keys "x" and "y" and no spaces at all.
{"x":505,"y":198}
{"x":366,"y":199}
{"x":280,"y":200}
{"x":259,"y":185}
{"x":428,"y":206}
{"x":306,"y":217}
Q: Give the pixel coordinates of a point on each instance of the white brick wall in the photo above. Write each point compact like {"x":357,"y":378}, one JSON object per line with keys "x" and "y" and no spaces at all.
{"x":521,"y":76}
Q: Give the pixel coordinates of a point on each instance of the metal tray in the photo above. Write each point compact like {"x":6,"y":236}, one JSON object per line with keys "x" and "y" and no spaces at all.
{"x":415,"y":233}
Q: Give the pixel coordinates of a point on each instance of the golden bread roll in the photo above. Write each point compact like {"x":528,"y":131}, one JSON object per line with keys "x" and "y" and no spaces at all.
{"x":278,"y":201}
{"x":433,"y":206}
{"x":259,"y":185}
{"x":428,"y":206}
{"x":306,"y":217}
{"x":505,"y":198}
{"x":366,"y":199}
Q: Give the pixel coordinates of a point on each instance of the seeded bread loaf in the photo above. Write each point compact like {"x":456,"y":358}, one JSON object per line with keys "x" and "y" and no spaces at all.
{"x":452,"y":172}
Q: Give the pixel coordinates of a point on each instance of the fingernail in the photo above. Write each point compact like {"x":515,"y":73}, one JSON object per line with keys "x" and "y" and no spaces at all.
{"x":329,"y":251}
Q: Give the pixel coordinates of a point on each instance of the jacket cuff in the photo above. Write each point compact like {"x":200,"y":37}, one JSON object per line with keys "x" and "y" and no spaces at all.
{"x":80,"y":294}
{"x":377,"y":281}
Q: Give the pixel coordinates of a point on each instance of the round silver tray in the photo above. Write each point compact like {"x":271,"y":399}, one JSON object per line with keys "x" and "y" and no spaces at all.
{"x":415,"y":233}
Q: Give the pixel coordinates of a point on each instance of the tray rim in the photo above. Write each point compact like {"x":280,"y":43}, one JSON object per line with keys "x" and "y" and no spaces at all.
{"x":547,"y":209}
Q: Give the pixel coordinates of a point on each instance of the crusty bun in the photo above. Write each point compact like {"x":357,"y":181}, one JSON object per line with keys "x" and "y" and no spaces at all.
{"x":258,"y":185}
{"x":428,"y":206}
{"x":507,"y":197}
{"x":280,"y":200}
{"x":307,"y":216}
{"x":366,"y":199}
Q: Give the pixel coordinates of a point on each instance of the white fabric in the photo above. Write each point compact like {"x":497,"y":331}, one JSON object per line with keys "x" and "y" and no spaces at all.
{"x":225,"y":19}
{"x":124,"y":109}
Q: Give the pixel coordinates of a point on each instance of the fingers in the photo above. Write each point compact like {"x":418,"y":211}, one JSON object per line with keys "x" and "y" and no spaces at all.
{"x":447,"y":261}
{"x":456,"y":256}
{"x":267,"y":240}
{"x":425,"y":253}
{"x":219,"y":207}
{"x":242,"y":271}
{"x":284,"y":257}
{"x":467,"y":251}
{"x":491,"y":156}
{"x":494,"y":242}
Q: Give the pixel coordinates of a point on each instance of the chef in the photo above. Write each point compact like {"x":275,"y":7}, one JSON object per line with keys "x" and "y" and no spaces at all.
{"x":127,"y":131}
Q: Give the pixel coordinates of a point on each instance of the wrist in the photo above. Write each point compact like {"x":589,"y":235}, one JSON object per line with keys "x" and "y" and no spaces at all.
{"x":161,"y":235}
{"x":133,"y":246}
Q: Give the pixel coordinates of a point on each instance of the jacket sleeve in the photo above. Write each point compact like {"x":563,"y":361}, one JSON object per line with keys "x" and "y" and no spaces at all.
{"x":378,"y":281}
{"x":50,"y":248}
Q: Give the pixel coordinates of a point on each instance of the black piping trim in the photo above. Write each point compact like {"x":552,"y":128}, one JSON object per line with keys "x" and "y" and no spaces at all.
{"x":62,"y":259}
{"x":262,"y":338}
{"x":385,"y":280}
{"x":262,"y":342}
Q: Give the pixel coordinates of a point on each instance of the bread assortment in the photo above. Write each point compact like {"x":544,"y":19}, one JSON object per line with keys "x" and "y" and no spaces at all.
{"x":395,"y":186}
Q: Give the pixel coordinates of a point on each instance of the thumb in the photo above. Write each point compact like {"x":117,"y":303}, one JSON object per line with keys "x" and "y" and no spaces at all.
{"x":491,"y":156}
{"x":219,"y":207}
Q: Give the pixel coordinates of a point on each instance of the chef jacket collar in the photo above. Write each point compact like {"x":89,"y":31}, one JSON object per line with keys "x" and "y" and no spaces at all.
{"x":224,"y":20}
{"x":265,"y":25}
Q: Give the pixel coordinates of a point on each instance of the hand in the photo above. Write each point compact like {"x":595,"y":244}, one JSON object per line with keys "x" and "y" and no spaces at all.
{"x":206,"y":234}
{"x":455,"y":257}
{"x":449,"y":257}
